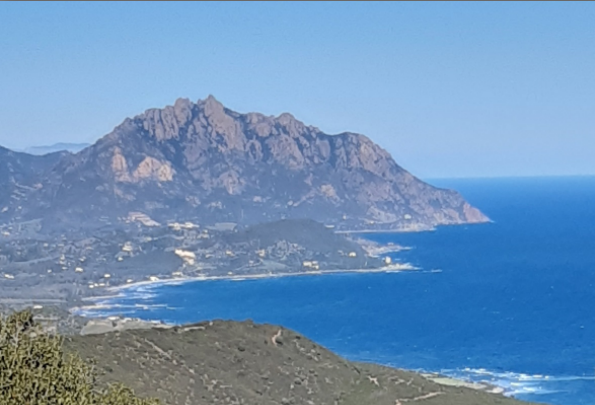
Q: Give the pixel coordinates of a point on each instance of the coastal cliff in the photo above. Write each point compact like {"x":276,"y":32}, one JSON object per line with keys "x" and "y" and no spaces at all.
{"x":204,"y":162}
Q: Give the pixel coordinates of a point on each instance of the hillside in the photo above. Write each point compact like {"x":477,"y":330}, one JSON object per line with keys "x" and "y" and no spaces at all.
{"x":204,"y":162}
{"x":244,"y":363}
{"x":20,"y":176}
{"x":77,"y":266}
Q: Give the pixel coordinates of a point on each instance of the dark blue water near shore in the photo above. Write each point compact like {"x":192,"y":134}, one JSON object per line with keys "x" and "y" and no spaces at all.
{"x":513,"y":304}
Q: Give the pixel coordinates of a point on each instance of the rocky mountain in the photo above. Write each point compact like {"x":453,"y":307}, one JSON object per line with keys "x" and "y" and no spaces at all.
{"x":203,"y":161}
{"x":20,"y":176}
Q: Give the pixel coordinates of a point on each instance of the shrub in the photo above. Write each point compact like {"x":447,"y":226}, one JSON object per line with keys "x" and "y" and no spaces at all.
{"x":34,"y":370}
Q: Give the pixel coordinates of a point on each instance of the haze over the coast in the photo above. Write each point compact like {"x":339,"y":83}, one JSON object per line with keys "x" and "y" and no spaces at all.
{"x":297,"y":203}
{"x":450,"y":90}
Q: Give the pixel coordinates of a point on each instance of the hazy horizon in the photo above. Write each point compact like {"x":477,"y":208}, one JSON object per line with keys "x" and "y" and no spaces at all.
{"x":451,"y":90}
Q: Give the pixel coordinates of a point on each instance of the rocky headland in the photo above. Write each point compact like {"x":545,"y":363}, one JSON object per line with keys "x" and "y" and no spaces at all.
{"x":196,"y":190}
{"x":206,"y":163}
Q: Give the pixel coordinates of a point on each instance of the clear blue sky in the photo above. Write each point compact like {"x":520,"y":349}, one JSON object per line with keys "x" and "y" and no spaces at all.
{"x":450,"y":89}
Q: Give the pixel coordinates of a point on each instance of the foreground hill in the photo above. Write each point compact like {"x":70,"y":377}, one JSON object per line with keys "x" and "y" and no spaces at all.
{"x":205,"y":162}
{"x":244,"y":363}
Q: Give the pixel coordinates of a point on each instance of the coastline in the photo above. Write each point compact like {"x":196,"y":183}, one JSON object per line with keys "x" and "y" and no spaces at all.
{"x":388,"y":269}
{"x":364,"y":231}
{"x":412,"y":229}
{"x":459,"y":382}
{"x":126,"y":322}
{"x":119,"y":289}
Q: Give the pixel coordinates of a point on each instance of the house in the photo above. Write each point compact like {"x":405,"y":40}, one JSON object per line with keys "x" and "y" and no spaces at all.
{"x":187,"y":256}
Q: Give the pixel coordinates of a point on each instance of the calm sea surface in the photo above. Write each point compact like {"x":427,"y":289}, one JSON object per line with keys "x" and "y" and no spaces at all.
{"x":511,"y":302}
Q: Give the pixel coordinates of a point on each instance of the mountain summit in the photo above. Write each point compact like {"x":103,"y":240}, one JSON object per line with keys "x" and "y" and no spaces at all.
{"x":203,"y":161}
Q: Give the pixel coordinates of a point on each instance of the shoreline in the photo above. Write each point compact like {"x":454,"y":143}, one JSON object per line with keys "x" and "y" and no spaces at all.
{"x":394,"y":268}
{"x":372,"y":248}
{"x":365,"y":231}
{"x":458,"y":382}
{"x":388,"y":269}
{"x":438,"y":377}
{"x":413,"y":230}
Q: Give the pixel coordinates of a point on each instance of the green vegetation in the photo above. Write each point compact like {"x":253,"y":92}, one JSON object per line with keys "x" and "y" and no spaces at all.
{"x":35,"y":371}
{"x":209,"y":363}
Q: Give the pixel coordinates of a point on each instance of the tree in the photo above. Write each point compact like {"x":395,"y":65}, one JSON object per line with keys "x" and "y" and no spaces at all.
{"x":34,"y":370}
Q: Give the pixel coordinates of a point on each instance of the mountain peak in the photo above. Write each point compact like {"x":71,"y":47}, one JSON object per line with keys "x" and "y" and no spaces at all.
{"x":205,"y":162}
{"x":287,"y":119}
{"x":211,"y":104}
{"x":182,"y":104}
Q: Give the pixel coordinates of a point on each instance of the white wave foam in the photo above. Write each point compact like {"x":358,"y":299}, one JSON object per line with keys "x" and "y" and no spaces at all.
{"x":124,"y":302}
{"x":516,"y":384}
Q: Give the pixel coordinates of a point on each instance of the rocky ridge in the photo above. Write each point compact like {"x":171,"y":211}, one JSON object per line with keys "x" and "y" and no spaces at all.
{"x":206,"y":162}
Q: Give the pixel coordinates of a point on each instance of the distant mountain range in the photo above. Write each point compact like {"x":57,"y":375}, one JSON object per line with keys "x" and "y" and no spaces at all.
{"x":57,"y":147}
{"x":204,"y":162}
{"x":20,"y":174}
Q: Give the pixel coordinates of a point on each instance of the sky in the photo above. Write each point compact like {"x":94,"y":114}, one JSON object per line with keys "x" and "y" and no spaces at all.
{"x":449,"y":89}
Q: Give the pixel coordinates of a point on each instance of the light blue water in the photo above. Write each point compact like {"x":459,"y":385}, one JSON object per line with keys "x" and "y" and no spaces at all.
{"x":514,"y":303}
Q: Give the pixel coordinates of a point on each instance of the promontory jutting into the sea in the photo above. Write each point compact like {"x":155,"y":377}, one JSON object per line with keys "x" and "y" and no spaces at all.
{"x":197,"y":191}
{"x":297,"y":203}
{"x":194,"y":190}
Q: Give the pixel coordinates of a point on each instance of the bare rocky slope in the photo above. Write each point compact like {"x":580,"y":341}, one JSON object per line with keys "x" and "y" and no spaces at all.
{"x":203,"y":161}
{"x":244,"y":363}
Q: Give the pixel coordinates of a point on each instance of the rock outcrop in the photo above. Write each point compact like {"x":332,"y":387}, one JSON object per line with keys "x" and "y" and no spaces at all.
{"x":203,"y":161}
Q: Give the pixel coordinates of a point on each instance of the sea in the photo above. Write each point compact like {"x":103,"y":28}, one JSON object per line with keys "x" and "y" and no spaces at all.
{"x":511,"y":302}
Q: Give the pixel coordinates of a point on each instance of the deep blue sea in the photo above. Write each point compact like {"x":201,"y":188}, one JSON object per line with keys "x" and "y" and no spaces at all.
{"x":511,"y":302}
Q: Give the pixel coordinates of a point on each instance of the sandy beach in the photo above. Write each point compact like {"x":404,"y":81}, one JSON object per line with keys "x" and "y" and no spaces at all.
{"x":117,"y":291}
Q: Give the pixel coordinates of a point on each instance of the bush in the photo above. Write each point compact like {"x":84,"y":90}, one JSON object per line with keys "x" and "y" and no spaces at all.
{"x":35,"y":371}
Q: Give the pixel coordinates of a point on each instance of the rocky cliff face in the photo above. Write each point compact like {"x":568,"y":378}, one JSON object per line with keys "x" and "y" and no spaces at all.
{"x":203,"y":161}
